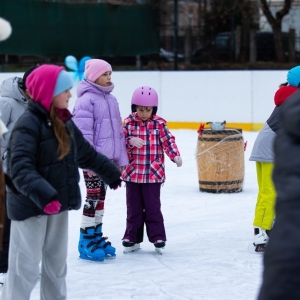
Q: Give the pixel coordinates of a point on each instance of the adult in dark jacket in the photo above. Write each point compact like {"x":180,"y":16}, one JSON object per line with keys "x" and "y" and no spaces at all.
{"x":281,"y":276}
{"x":44,"y":153}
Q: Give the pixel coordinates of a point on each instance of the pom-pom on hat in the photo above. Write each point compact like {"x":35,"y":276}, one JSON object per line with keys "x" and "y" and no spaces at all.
{"x":5,"y":29}
{"x":63,"y":83}
{"x":293,"y":76}
{"x":94,"y":68}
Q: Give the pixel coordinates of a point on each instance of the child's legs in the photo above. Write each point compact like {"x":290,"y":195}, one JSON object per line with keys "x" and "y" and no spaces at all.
{"x":25,"y":252}
{"x":99,"y":210}
{"x":265,"y":205}
{"x":93,"y":209}
{"x":153,"y":216}
{"x":54,"y":263}
{"x":135,"y":213}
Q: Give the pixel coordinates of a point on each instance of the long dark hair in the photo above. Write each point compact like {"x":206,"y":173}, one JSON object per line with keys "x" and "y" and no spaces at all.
{"x":60,"y":131}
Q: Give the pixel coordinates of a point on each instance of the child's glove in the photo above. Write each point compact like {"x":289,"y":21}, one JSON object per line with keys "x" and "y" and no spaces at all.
{"x":136,"y":142}
{"x":116,"y":184}
{"x":91,"y":174}
{"x":52,"y":208}
{"x":178,"y":161}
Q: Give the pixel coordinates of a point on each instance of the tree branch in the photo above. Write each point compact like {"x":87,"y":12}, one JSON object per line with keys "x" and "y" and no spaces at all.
{"x":266,"y":10}
{"x":285,"y":10}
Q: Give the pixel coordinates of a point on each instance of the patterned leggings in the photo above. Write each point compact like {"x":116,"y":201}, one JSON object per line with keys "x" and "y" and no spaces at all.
{"x":93,"y":209}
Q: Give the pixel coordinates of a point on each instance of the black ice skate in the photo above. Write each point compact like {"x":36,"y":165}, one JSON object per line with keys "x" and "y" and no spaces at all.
{"x":130,"y":246}
{"x":159,"y":245}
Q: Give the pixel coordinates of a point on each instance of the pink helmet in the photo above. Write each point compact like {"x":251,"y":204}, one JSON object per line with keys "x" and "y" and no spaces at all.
{"x":145,"y":96}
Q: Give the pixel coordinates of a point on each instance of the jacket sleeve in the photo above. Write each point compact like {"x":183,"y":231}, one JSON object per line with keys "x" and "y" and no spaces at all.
{"x":123,"y":160}
{"x":5,"y":109}
{"x":23,"y":148}
{"x":84,"y":119}
{"x":168,"y":142}
{"x":89,"y":158}
{"x":127,"y":137}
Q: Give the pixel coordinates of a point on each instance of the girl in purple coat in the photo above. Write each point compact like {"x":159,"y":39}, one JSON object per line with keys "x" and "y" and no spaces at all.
{"x":147,"y":139}
{"x":96,"y":113}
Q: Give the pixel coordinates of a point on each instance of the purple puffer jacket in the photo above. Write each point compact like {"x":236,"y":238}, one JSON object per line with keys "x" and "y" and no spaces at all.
{"x":96,"y":113}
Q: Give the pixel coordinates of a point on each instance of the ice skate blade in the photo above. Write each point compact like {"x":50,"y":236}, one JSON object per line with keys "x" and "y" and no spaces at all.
{"x":159,"y":250}
{"x":260,"y":247}
{"x":131,"y":249}
{"x":110,"y":256}
{"x":86,"y":257}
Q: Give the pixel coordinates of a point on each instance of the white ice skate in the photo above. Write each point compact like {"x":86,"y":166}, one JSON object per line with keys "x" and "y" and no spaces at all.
{"x":130,"y":247}
{"x":260,"y":239}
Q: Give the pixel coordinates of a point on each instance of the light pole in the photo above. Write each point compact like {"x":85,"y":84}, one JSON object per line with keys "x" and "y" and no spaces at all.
{"x":175,"y":35}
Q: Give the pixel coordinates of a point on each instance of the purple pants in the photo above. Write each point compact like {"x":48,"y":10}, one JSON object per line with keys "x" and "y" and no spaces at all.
{"x":143,"y":207}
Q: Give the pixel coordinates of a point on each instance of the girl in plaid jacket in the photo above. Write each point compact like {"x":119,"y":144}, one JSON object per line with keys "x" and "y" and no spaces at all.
{"x":147,"y":138}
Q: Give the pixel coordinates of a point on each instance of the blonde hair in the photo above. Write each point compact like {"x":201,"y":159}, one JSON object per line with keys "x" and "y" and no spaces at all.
{"x":60,"y":131}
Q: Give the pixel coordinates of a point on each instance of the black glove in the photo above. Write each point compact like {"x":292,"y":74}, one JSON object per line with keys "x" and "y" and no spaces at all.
{"x":114,"y":185}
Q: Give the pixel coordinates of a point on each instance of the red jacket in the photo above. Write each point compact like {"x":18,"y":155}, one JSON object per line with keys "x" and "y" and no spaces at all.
{"x":146,"y":165}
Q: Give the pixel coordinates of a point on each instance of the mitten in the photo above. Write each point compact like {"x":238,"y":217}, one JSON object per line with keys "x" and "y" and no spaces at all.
{"x":52,"y":208}
{"x":114,"y":185}
{"x":136,"y":142}
{"x":178,"y":161}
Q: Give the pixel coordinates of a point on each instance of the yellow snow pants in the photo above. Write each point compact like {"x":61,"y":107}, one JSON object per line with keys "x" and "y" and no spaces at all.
{"x":265,"y":204}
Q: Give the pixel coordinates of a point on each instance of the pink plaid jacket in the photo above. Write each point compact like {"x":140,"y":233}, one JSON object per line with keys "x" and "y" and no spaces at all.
{"x":146,"y":165}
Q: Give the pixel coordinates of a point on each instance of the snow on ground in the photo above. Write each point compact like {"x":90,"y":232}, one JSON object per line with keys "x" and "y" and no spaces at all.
{"x":209,"y":253}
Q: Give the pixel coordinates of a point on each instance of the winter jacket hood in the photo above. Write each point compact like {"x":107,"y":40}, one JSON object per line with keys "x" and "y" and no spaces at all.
{"x":41,"y":84}
{"x":283,"y":94}
{"x":11,"y":88}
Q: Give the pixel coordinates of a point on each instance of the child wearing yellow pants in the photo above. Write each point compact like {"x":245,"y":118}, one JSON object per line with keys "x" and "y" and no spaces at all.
{"x":263,"y":154}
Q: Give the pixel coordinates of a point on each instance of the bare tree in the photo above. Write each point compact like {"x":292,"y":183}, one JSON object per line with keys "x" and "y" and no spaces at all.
{"x":276,"y":22}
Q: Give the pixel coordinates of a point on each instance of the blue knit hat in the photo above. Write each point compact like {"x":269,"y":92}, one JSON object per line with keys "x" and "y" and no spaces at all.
{"x":64,"y":82}
{"x":293,"y":76}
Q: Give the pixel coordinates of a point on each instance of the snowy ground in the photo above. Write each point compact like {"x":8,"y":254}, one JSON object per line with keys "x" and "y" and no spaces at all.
{"x":209,"y":252}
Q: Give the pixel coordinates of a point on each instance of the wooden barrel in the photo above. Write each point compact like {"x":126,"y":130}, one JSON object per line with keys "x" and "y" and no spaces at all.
{"x":220,"y":160}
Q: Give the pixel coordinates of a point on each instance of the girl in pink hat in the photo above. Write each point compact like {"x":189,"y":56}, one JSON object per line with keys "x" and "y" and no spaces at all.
{"x":96,"y":113}
{"x":43,"y":156}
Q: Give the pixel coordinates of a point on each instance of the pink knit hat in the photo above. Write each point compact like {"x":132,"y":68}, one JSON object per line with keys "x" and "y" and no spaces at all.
{"x":94,"y":68}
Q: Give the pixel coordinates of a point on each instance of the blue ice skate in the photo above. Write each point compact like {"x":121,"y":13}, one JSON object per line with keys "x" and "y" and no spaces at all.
{"x":87,"y":246}
{"x":110,"y":251}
